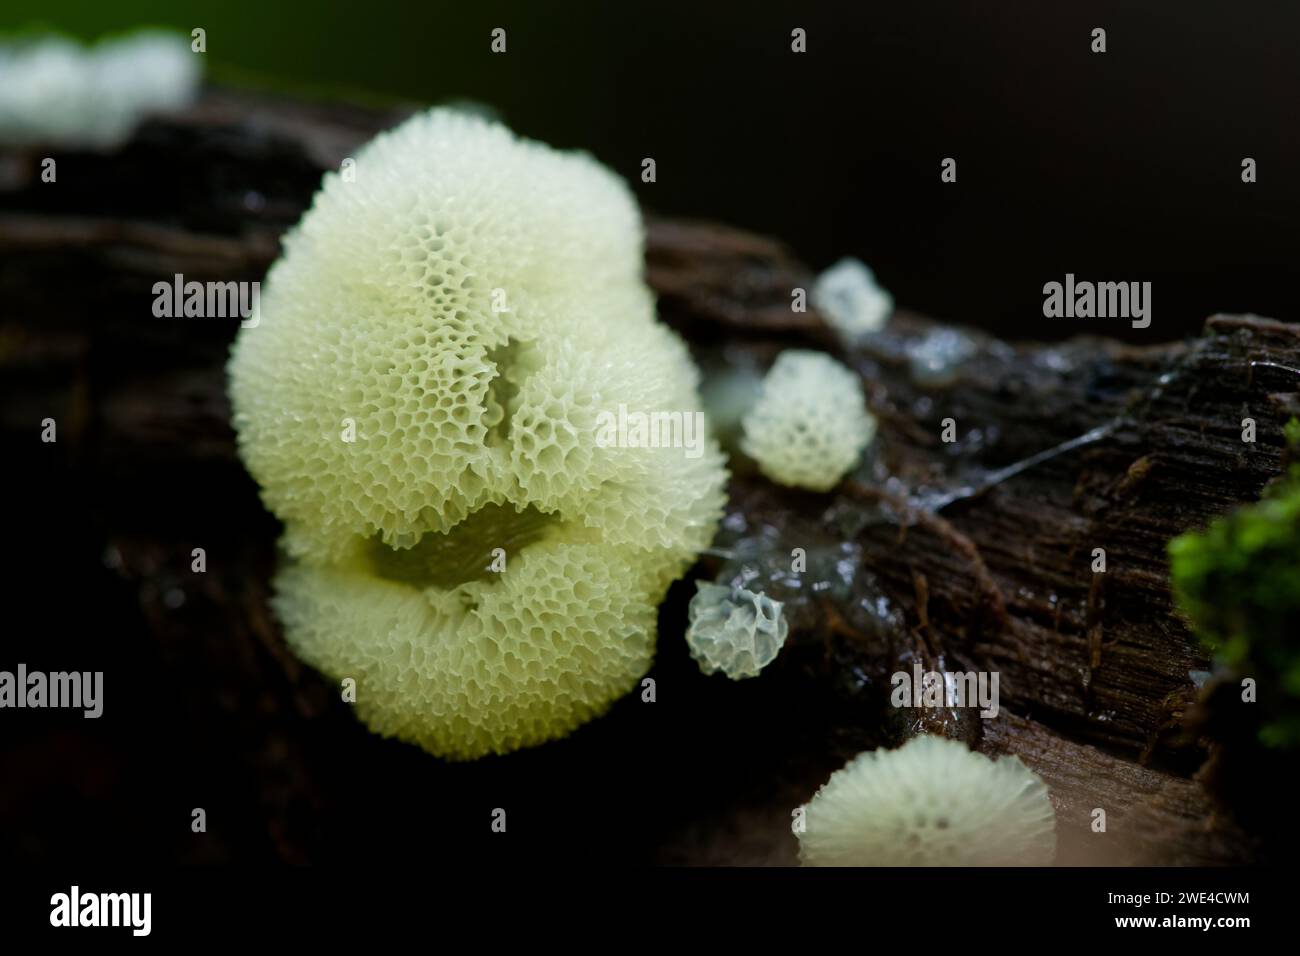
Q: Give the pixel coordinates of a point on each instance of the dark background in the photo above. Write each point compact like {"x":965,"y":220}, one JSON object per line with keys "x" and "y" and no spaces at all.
{"x":1122,"y":166}
{"x":1117,"y":166}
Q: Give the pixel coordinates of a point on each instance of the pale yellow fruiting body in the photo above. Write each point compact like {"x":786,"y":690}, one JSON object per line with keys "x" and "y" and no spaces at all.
{"x":422,"y":387}
{"x":931,"y":802}
{"x":810,"y":423}
{"x":506,"y":661}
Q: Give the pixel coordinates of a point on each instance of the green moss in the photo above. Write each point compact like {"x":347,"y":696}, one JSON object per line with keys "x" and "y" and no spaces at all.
{"x":1239,"y":581}
{"x":1292,"y":433}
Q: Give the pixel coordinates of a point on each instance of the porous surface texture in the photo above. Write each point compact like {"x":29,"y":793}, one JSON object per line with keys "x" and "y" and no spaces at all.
{"x":422,"y":387}
{"x":810,"y":422}
{"x":931,"y":802}
{"x":734,"y":630}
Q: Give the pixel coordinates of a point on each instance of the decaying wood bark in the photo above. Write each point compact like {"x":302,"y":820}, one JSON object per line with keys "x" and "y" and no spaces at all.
{"x":1095,"y":669}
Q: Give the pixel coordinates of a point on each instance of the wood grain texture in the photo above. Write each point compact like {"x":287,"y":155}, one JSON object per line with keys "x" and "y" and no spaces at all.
{"x":1094,"y":668}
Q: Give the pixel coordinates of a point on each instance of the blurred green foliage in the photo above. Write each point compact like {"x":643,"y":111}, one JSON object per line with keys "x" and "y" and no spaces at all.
{"x":302,"y":46}
{"x":1239,"y":581}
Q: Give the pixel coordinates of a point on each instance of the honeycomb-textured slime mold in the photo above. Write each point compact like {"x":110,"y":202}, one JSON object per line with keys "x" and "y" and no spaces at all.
{"x":421,"y":391}
{"x":931,"y":802}
{"x":810,"y":422}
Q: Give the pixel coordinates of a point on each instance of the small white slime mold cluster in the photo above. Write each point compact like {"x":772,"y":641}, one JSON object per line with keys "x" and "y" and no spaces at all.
{"x":931,"y":802}
{"x":810,"y":422}
{"x":734,"y":630}
{"x":851,"y":300}
{"x":55,"y":91}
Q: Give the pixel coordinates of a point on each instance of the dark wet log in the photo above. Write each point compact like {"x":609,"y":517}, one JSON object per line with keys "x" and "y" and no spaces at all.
{"x":1095,"y":668}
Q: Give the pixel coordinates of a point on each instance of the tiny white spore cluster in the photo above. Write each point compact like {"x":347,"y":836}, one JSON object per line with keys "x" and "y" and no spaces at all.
{"x":931,"y":802}
{"x":54,"y":91}
{"x":810,"y":422}
{"x":734,"y":630}
{"x":849,"y":298}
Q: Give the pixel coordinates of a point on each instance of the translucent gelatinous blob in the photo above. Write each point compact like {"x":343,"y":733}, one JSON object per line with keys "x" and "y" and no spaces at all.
{"x":762,"y":557}
{"x":936,"y":357}
{"x":734,"y":630}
